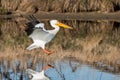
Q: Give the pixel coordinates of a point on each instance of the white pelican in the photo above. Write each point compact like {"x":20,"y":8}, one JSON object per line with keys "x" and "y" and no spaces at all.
{"x":39,"y":75}
{"x":41,"y":36}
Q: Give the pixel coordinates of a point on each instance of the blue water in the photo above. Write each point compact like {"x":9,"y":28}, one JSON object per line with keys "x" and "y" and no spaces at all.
{"x":64,"y":70}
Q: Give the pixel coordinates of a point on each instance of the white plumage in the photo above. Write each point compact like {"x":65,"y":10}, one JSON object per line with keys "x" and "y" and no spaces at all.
{"x":41,"y":36}
{"x":37,"y":75}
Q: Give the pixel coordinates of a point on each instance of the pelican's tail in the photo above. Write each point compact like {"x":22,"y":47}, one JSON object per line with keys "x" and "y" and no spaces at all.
{"x":32,"y":46}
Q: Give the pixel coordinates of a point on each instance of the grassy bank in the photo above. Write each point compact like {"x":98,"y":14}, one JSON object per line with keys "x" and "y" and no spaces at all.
{"x":90,"y":42}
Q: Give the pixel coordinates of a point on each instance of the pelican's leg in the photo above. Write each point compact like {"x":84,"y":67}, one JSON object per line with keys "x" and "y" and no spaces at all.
{"x":47,"y":52}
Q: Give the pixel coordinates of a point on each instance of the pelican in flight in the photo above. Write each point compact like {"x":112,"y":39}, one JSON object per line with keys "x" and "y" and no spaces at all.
{"x":39,"y":75}
{"x":41,"y":36}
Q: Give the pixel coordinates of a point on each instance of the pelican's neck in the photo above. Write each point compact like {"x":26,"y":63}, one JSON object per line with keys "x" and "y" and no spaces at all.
{"x":55,"y":30}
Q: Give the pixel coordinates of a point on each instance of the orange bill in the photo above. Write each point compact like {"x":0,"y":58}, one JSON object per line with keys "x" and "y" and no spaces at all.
{"x":63,"y":25}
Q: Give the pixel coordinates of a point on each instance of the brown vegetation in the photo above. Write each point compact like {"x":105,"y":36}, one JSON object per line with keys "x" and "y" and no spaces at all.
{"x":74,"y":6}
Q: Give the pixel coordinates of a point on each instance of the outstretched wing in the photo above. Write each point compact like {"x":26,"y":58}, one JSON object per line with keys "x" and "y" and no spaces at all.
{"x":40,"y":25}
{"x":32,"y":21}
{"x":40,"y":34}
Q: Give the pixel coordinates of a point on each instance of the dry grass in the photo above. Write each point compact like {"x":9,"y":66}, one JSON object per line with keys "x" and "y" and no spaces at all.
{"x":61,"y":6}
{"x":109,"y":57}
{"x":10,"y":5}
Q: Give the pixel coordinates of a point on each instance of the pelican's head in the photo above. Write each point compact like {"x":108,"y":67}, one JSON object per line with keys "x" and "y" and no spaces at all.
{"x":59,"y":24}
